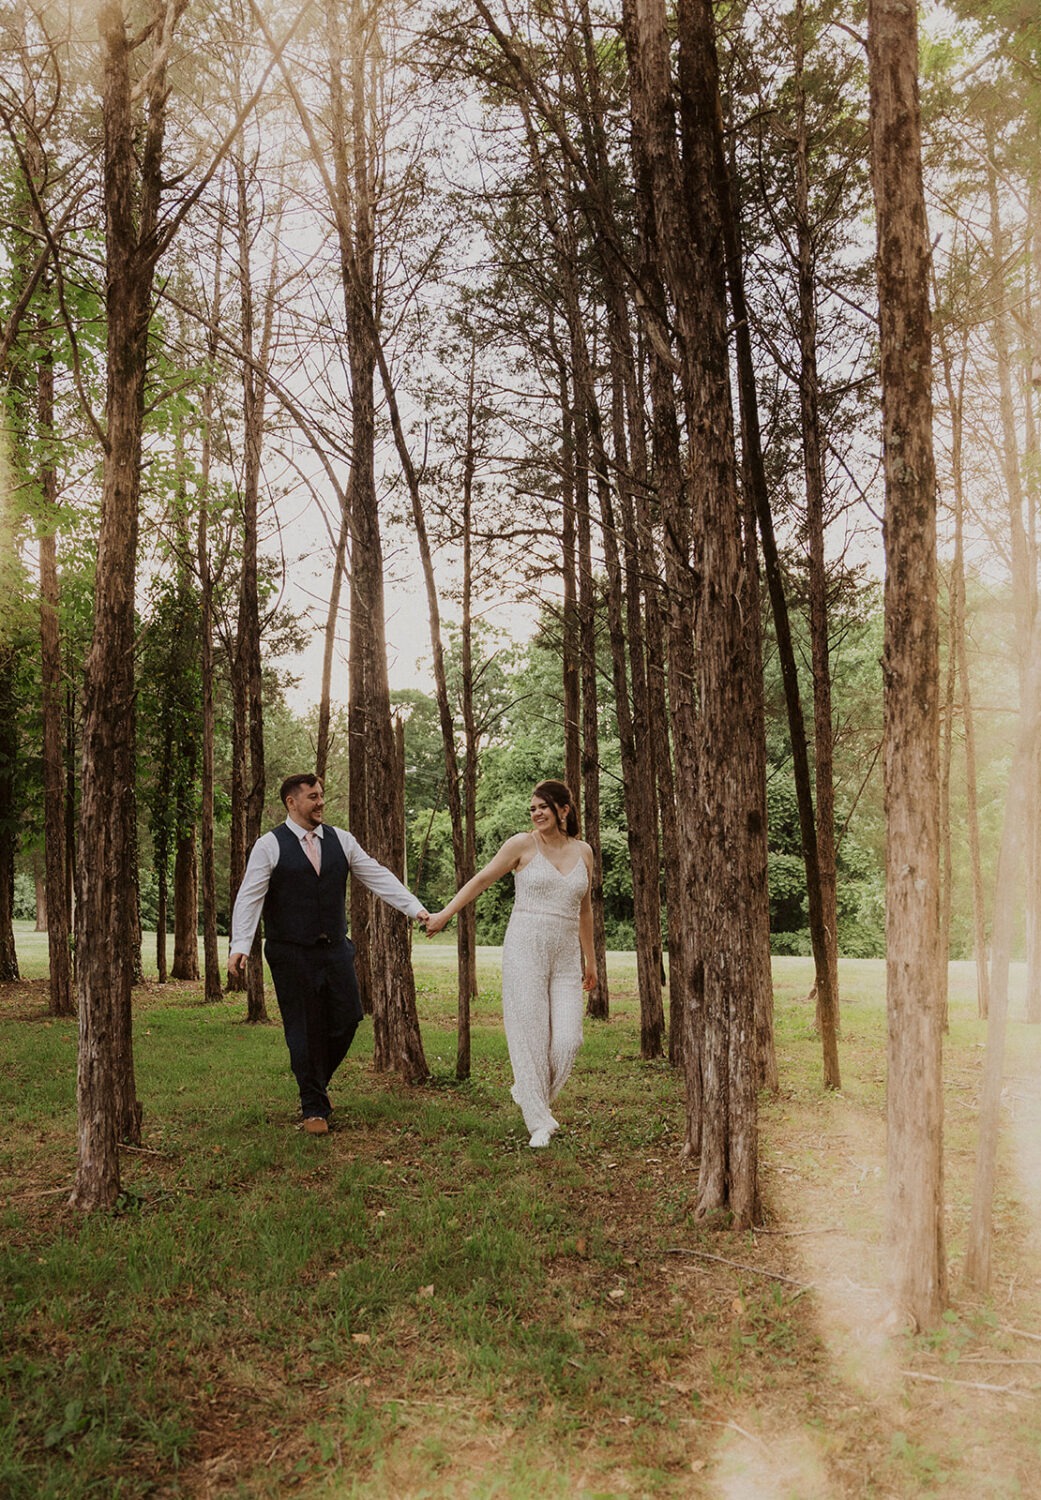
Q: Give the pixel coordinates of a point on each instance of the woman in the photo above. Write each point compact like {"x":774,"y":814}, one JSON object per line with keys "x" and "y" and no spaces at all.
{"x":547,"y":956}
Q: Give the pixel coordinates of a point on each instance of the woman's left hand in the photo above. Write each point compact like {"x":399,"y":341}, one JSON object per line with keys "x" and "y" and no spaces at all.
{"x":589,"y":980}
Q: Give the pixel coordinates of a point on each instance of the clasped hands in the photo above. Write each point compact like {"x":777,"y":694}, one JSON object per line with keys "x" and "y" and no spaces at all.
{"x":433,"y":923}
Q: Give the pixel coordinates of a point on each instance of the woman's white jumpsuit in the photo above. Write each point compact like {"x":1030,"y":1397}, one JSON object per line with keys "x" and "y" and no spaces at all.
{"x":542,"y":998}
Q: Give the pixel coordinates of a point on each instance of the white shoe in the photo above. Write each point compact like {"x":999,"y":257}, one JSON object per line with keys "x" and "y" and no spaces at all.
{"x":540,"y":1138}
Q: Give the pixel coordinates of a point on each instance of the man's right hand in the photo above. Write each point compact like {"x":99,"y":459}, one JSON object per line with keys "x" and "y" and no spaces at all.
{"x":236,"y":964}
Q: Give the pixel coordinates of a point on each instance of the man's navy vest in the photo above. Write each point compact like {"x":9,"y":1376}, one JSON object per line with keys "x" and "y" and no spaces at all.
{"x":303,"y":906}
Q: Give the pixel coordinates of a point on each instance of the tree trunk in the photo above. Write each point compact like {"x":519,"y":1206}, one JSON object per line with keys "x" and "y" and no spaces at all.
{"x":186,"y":908}
{"x":161,"y":855}
{"x":598,"y":1004}
{"x":911,"y":674}
{"x":8,"y":811}
{"x":959,"y":650}
{"x":208,"y":874}
{"x":972,"y":817}
{"x":720,"y":1050}
{"x":397,"y":1043}
{"x":71,"y":824}
{"x":641,"y":837}
{"x":1032,"y":471}
{"x":248,"y":780}
{"x":374,"y":770}
{"x":758,"y":841}
{"x":571,"y":646}
{"x":253,"y":391}
{"x":638,"y":770}
{"x":106,"y":1094}
{"x":1010,"y":860}
{"x":40,"y":894}
{"x":813,"y":465}
{"x":757,"y":500}
{"x":162,"y":914}
{"x":621,"y":553}
{"x":729,"y":796}
{"x":466,"y":929}
{"x":238,"y":848}
{"x":59,"y":915}
{"x":467,"y":972}
{"x":332,"y":619}
{"x":669,"y":631}
{"x":1023,"y":545}
{"x":946,"y":851}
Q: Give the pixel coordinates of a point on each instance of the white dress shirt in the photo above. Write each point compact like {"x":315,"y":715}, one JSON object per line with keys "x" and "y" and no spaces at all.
{"x":263,"y":858}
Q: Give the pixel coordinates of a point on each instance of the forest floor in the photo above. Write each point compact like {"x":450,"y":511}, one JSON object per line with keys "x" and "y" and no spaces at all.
{"x":419,"y":1306}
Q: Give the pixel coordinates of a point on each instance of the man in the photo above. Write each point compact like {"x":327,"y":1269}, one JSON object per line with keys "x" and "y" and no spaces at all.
{"x":297,"y":874}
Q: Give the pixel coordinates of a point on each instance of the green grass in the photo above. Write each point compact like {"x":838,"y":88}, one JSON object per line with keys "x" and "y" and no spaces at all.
{"x":418,"y":1304}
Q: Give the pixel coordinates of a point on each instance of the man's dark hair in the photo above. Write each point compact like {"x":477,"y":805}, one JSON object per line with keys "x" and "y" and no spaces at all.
{"x":289,"y":786}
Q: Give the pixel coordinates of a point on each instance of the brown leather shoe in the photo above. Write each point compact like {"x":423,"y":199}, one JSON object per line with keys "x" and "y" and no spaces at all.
{"x":316,"y":1125}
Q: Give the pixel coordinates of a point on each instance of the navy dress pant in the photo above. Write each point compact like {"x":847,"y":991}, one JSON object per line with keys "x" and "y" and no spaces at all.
{"x":317,"y":991}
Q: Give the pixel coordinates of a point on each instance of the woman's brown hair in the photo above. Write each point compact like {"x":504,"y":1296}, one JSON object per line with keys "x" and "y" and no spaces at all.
{"x":559,"y":797}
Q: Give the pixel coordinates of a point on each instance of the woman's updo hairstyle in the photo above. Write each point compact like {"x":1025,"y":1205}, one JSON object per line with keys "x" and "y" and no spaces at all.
{"x":557,"y":795}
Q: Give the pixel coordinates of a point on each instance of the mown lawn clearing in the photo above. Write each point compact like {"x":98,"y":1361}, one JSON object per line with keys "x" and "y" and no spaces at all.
{"x":418,"y":1305}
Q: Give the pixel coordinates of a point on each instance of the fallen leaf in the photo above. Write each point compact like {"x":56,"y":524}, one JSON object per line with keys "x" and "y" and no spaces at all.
{"x":361,"y":1338}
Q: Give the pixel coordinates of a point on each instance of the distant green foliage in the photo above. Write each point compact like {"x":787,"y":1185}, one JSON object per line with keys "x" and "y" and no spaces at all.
{"x":24,"y":897}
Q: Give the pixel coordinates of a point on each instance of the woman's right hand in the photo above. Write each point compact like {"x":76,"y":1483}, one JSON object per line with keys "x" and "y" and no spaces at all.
{"x":437,"y":921}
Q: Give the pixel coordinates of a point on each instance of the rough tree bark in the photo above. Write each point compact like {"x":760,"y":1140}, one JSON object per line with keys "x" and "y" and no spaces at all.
{"x":720,"y":1051}
{"x":628,"y":641}
{"x":670,"y":614}
{"x":248,"y":773}
{"x":52,"y":687}
{"x":571,"y":649}
{"x":626,"y":620}
{"x":466,"y":977}
{"x":59,"y":917}
{"x":208,"y":873}
{"x":332,"y":620}
{"x":730,"y":800}
{"x":642,"y":837}
{"x":8,"y":810}
{"x":107,"y":1104}
{"x":761,"y":516}
{"x":186,"y":901}
{"x":161,"y":860}
{"x":918,"y":1263}
{"x":466,"y":928}
{"x":813,"y":468}
{"x":373,"y":760}
{"x":598,"y":1004}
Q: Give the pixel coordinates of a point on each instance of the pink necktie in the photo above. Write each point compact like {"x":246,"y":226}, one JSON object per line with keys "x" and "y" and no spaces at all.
{"x":314,"y":851}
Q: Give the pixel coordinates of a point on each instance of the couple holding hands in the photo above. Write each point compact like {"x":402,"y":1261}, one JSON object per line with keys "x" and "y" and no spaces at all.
{"x":297,"y":876}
